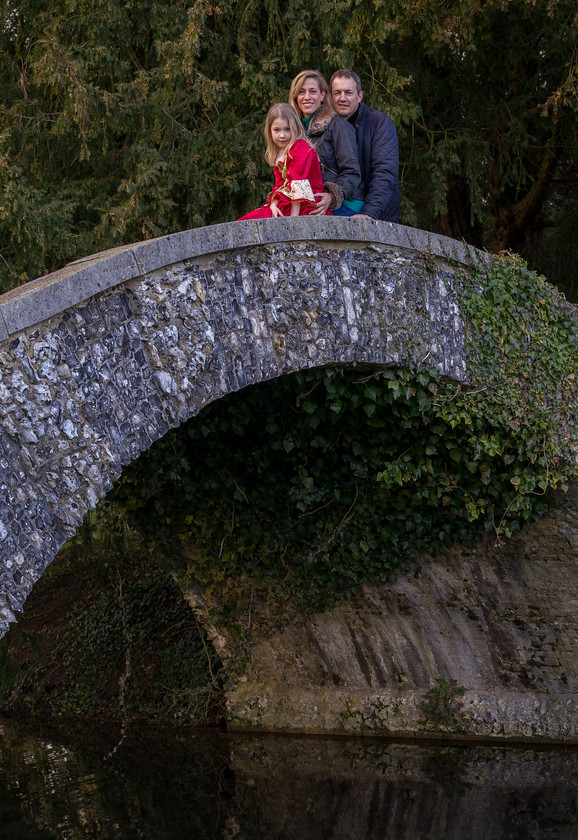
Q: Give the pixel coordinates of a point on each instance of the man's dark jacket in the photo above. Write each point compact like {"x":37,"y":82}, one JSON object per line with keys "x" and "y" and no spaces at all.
{"x":379,"y":159}
{"x":335,"y":142}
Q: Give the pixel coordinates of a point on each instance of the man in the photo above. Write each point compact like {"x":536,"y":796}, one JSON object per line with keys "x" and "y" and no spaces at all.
{"x":376,"y":145}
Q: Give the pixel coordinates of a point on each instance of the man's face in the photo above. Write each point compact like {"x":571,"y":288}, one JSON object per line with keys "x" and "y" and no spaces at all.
{"x":346,"y":99}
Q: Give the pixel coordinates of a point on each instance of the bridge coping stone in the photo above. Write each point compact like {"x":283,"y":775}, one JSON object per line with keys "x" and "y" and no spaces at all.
{"x":47,"y":296}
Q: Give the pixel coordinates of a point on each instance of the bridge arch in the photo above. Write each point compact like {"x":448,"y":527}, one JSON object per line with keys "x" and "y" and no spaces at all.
{"x":102,"y":358}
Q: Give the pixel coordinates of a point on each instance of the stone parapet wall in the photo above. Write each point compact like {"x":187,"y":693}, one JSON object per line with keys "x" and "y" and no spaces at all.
{"x":53,"y":294}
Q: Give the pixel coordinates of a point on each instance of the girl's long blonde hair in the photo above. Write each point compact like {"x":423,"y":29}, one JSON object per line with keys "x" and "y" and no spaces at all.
{"x":326,"y":108}
{"x":283,"y":111}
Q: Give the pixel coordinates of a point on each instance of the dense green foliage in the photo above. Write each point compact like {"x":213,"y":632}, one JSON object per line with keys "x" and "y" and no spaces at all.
{"x":303,"y":488}
{"x":125,"y":120}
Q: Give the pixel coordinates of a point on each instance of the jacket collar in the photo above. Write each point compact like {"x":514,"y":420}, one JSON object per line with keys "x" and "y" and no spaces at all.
{"x":319,"y":124}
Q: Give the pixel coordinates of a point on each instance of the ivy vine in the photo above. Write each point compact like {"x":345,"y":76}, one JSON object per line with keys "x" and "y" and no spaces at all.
{"x":299,"y":490}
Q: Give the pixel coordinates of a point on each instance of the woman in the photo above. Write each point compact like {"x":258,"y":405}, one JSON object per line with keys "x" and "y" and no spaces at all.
{"x":334,"y":141}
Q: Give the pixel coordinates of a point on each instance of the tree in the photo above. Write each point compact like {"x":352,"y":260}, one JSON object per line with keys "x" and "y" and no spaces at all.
{"x":126,"y":120}
{"x":493,"y":88}
{"x":114,"y":128}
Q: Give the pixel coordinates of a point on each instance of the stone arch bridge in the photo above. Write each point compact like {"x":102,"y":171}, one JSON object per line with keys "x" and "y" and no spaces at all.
{"x":102,"y":358}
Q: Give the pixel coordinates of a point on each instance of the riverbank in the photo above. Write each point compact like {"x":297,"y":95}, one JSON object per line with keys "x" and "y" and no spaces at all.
{"x":478,"y":644}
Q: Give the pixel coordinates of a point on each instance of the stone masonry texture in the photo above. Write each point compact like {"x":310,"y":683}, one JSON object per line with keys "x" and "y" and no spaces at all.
{"x":100,"y":359}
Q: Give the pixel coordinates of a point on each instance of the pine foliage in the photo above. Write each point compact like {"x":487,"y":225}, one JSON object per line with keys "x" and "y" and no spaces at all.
{"x":126,"y":120}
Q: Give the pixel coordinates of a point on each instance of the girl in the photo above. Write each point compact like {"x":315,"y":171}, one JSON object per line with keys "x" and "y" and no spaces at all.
{"x":295,"y":163}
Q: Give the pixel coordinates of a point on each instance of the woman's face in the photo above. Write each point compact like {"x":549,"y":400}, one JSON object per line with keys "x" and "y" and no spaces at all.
{"x":310,"y":97}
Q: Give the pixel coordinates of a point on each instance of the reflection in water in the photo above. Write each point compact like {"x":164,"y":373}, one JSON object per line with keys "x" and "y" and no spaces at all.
{"x":175,"y":784}
{"x":376,"y":790}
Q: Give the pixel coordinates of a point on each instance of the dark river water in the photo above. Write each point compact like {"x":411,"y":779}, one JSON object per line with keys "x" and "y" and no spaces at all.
{"x":65,"y":783}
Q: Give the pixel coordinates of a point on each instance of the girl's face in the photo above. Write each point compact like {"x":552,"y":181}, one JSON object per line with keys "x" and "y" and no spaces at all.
{"x":280,"y":132}
{"x":310,"y":97}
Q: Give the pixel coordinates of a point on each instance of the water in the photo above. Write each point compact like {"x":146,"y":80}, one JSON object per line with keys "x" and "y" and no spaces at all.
{"x":64,"y":783}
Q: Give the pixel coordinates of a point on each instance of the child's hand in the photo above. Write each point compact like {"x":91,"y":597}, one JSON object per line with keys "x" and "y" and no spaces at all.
{"x":275,"y":212}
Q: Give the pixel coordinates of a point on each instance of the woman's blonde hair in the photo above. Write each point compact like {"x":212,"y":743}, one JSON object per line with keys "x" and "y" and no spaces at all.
{"x":326,"y":108}
{"x":283,"y":111}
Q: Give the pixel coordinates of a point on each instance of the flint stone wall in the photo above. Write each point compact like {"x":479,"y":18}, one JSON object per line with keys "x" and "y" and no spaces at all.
{"x":99,"y":360}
